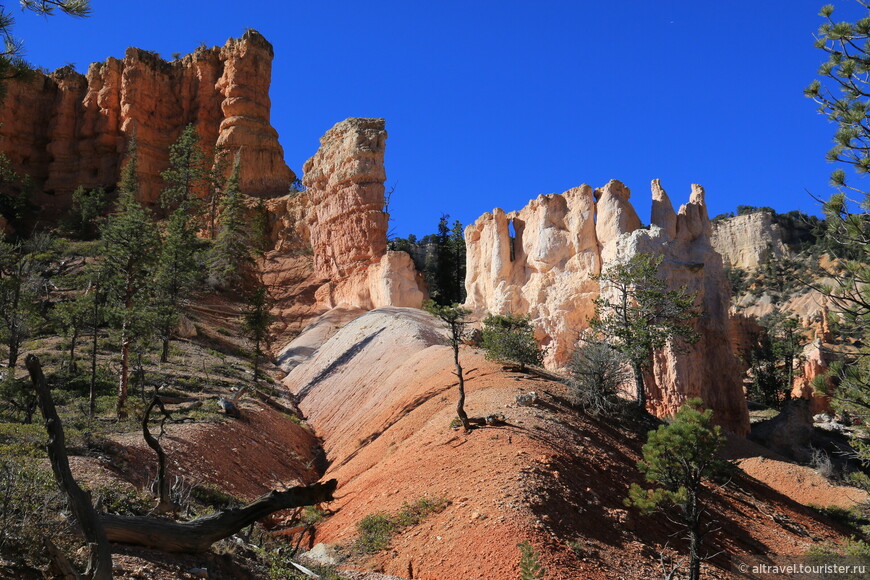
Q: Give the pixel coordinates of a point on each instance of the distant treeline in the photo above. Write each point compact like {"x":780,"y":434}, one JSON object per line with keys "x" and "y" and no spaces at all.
{"x":441,"y":259}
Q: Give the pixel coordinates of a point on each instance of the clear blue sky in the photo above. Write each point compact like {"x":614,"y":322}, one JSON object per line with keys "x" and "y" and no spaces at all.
{"x":490,"y":103}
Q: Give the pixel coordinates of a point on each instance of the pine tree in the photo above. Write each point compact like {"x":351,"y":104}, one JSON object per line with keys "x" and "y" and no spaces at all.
{"x":96,"y":318}
{"x":131,"y":245}
{"x":444,"y":265}
{"x":636,"y":314}
{"x":176,"y":275}
{"x":187,"y":176}
{"x":456,"y":319}
{"x":530,"y":562}
{"x":843,"y":97}
{"x":256,"y":321}
{"x":21,"y":264}
{"x":12,"y":63}
{"x":72,"y":316}
{"x":456,"y":245}
{"x":230,"y":255}
{"x":775,"y":359}
{"x":511,"y":338}
{"x":87,"y":207}
{"x":214,"y":187}
{"x":677,"y":458}
{"x":444,"y":272}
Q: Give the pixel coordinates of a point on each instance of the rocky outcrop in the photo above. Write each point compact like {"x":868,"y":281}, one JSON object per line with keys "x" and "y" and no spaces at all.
{"x":706,"y":369}
{"x":348,"y":224}
{"x":245,"y":126}
{"x":814,"y":360}
{"x":748,"y":241}
{"x":288,"y":222}
{"x":66,"y":129}
{"x":616,"y":216}
{"x":540,"y":261}
{"x":544,"y":269}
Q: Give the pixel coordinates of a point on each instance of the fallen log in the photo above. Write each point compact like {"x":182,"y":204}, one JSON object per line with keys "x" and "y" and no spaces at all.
{"x":199,"y":534}
{"x":188,"y":537}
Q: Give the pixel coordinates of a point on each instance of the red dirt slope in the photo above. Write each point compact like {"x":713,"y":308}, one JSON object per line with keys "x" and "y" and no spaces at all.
{"x":381,"y":394}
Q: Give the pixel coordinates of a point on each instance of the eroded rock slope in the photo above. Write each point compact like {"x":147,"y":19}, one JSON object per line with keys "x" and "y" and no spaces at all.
{"x":540,"y":261}
{"x":381,"y":393}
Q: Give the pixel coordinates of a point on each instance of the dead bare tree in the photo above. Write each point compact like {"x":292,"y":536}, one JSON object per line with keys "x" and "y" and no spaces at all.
{"x":165,"y":503}
{"x":187,"y":537}
{"x":99,"y":558}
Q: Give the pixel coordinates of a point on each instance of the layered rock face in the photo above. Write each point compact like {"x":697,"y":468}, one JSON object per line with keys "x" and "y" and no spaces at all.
{"x":708,"y":368}
{"x":544,"y":267}
{"x":348,"y":224}
{"x":748,"y":241}
{"x":67,"y":129}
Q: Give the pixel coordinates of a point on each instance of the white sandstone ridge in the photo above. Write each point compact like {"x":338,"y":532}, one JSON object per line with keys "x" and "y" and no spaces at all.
{"x":540,"y":261}
{"x":355,"y":380}
{"x":748,"y":241}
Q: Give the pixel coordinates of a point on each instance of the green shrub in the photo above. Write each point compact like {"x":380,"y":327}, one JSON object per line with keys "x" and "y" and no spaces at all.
{"x":511,"y":338}
{"x":377,"y":530}
{"x":211,"y":495}
{"x":19,"y":397}
{"x":30,"y":510}
{"x":855,"y":517}
{"x":530,"y":562}
{"x":122,"y":500}
{"x":413,"y":514}
{"x":18,"y":441}
{"x":311,"y":514}
{"x":852,"y":551}
{"x":80,"y":384}
{"x":278,"y":559}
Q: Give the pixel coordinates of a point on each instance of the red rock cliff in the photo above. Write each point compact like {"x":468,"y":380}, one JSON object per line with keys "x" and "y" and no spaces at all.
{"x":66,"y":129}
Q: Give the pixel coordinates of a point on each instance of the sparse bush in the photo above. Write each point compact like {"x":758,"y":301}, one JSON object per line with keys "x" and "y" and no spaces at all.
{"x":213,"y":496}
{"x":859,"y":479}
{"x":511,"y":338}
{"x":855,"y":517}
{"x":595,"y":373}
{"x":822,"y":463}
{"x":80,"y":384}
{"x":580,"y":548}
{"x":122,"y":500}
{"x":18,"y":441}
{"x":312,"y":514}
{"x":376,"y":530}
{"x":278,"y":558}
{"x":30,"y":510}
{"x":856,"y":552}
